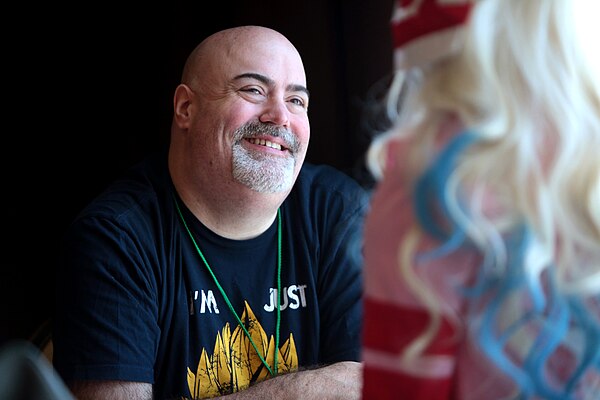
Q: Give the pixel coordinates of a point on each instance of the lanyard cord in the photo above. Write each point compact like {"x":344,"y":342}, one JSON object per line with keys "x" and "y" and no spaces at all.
{"x":273,"y":371}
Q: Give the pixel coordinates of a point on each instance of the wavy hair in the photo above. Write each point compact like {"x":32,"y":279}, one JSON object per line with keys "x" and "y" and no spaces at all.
{"x":526,"y":86}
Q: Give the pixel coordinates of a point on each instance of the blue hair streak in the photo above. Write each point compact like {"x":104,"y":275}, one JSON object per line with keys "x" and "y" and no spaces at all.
{"x":550,"y":314}
{"x":430,"y":198}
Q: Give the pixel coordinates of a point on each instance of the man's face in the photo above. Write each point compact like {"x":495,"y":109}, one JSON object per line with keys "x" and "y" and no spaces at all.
{"x":251,"y":117}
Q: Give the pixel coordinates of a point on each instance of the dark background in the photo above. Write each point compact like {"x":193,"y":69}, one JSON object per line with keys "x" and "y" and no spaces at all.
{"x":89,"y":93}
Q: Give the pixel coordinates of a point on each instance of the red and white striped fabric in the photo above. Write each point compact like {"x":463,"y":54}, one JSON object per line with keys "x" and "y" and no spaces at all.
{"x":451,"y":365}
{"x":425,"y":30}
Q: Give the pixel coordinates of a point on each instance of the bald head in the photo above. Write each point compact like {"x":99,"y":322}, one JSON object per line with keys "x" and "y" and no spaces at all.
{"x":238,"y":46}
{"x":240,"y":122}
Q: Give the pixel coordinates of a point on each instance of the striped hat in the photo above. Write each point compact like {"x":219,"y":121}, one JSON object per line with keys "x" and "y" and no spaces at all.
{"x":425,"y":30}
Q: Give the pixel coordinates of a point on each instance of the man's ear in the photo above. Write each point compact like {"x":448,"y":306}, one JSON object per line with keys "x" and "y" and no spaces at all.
{"x":182,"y":100}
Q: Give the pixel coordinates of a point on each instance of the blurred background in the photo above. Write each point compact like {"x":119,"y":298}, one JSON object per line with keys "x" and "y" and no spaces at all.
{"x":89,"y":94}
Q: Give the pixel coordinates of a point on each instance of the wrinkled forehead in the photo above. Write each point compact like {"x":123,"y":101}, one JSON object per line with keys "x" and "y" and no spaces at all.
{"x":249,"y":52}
{"x":277,"y":60}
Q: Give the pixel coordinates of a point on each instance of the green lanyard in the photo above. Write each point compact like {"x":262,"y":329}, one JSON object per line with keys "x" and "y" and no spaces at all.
{"x":273,"y":371}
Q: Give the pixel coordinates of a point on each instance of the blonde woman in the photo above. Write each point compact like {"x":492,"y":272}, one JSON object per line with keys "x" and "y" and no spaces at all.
{"x":482,"y":246}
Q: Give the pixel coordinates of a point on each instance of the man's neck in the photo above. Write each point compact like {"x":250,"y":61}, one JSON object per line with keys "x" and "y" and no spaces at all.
{"x":244,"y":216}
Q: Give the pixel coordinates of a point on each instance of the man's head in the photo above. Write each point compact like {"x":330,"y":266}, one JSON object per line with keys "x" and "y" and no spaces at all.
{"x":241,"y":110}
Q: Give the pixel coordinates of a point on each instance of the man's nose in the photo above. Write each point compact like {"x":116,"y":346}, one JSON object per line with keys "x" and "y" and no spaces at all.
{"x":276,"y":113}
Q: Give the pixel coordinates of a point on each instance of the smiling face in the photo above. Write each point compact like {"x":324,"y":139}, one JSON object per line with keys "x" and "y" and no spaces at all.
{"x":243,"y":104}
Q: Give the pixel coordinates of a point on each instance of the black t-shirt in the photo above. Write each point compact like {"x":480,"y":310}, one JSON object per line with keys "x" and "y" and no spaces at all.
{"x":136,"y":301}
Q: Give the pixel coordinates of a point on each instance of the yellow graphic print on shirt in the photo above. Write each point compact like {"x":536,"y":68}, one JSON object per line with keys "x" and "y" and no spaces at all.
{"x":234,"y":364}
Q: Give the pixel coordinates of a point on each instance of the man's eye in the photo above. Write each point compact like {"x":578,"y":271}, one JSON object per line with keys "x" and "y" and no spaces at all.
{"x":298,"y":101}
{"x":251,"y":90}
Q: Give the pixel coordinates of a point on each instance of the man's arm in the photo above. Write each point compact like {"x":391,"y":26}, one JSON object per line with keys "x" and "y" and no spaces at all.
{"x":111,"y":390}
{"x":342,"y":380}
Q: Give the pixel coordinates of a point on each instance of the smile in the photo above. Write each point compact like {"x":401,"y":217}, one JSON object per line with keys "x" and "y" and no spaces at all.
{"x":263,"y":142}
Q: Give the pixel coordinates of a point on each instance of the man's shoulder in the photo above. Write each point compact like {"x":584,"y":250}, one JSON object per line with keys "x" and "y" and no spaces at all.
{"x":329,"y":178}
{"x":324,"y":173}
{"x":137,"y":190}
{"x":321,"y":183}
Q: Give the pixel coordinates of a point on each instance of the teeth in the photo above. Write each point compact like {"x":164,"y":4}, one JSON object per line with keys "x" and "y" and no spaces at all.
{"x":264,"y":142}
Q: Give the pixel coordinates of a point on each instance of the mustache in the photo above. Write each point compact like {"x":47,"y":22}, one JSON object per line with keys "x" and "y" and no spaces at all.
{"x":256,"y":129}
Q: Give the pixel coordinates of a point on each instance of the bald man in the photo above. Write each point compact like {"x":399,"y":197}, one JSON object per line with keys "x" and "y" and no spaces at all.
{"x":225,"y":265}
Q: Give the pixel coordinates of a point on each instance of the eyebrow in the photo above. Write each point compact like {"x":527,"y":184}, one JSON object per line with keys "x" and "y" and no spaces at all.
{"x":271,"y":82}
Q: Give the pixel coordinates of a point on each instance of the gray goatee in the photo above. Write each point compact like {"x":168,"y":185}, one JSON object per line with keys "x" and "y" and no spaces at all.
{"x":264,"y":173}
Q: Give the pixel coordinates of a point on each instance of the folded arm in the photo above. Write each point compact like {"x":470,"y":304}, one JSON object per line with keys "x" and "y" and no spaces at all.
{"x":342,"y":380}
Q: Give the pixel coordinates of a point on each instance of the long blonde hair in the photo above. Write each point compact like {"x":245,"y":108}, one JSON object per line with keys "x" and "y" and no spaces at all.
{"x":526,"y":85}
